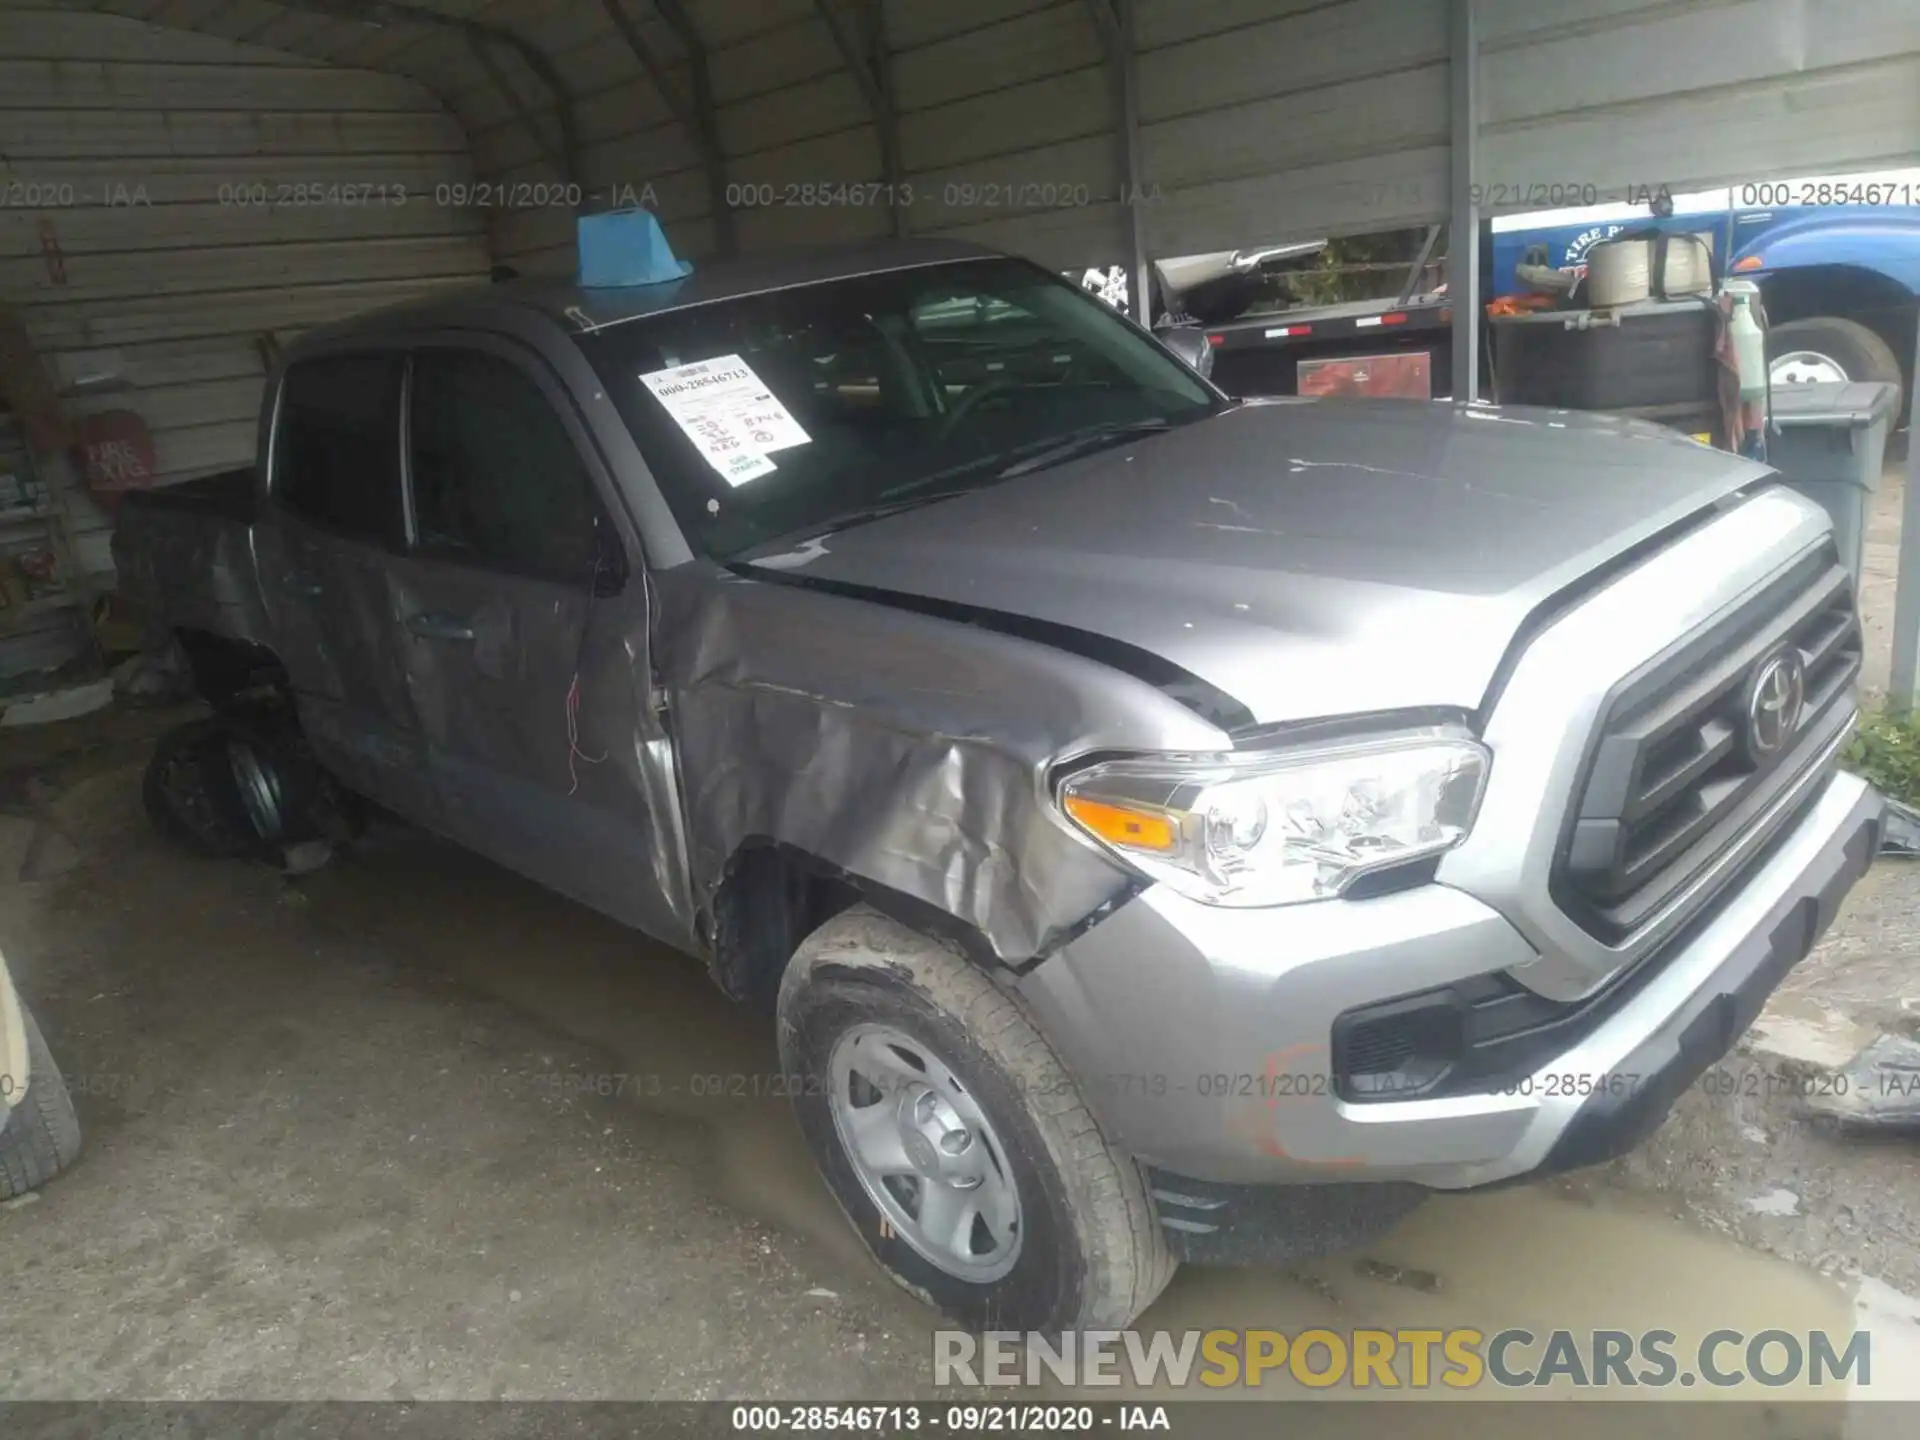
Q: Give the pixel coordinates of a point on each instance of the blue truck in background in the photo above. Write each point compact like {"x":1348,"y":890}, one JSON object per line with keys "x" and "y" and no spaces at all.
{"x":1837,"y":259}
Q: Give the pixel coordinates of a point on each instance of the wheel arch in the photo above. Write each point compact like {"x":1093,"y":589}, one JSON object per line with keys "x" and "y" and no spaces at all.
{"x":224,"y":668}
{"x":1848,"y":292}
{"x":774,"y":894}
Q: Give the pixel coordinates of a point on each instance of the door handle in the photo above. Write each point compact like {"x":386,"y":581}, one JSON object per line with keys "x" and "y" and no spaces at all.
{"x":439,"y":627}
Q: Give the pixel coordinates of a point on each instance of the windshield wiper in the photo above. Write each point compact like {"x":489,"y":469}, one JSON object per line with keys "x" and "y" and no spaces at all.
{"x":930,"y":489}
{"x":848,"y":519}
{"x":1082,"y":442}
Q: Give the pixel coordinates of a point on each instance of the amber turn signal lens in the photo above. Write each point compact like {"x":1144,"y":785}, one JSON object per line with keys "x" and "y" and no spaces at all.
{"x":1122,"y":825}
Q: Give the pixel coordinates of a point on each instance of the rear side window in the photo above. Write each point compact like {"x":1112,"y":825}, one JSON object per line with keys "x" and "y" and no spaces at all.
{"x":336,"y":452}
{"x":497,"y":481}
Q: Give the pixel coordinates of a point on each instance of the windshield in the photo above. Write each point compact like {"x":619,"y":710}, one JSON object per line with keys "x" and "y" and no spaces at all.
{"x":791,"y":412}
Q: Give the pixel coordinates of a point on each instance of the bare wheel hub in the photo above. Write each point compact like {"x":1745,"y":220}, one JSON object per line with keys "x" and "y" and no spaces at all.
{"x":1805,"y":367}
{"x":937,"y":1139}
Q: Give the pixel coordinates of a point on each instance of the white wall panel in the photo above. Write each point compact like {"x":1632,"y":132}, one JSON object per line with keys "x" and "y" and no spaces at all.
{"x":775,"y":118}
{"x":135,"y":134}
{"x":1167,"y":22}
{"x":1059,"y":239}
{"x":210,"y":267}
{"x":1296,"y":52}
{"x":1043,"y":42}
{"x":51,"y":34}
{"x":1380,"y":192}
{"x":170,"y":407}
{"x":1004,"y":122}
{"x":847,"y":155}
{"x":1006,"y":128}
{"x":1355,"y":120}
{"x":243,"y":313}
{"x":139,"y":85}
{"x":1651,"y":58}
{"x":722,"y":23}
{"x":1010,"y":185}
{"x":172,"y":290}
{"x":915,"y":24}
{"x":1861,"y":117}
{"x":1621,"y":94}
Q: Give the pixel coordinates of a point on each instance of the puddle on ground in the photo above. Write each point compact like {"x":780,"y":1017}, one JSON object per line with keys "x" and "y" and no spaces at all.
{"x":1527,"y":1258}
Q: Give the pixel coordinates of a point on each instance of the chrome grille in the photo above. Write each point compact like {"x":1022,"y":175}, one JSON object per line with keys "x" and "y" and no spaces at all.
{"x":1677,"y":773}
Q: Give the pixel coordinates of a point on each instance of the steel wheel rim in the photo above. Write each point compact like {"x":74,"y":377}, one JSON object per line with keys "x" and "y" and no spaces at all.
{"x":259,"y":789}
{"x":1805,"y":367}
{"x":184,"y":783}
{"x":925,"y":1152}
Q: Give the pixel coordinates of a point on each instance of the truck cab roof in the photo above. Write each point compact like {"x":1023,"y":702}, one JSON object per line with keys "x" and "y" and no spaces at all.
{"x":581,"y":309}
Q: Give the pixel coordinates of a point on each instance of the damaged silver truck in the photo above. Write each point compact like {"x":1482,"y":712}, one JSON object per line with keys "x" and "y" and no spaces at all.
{"x":1162,"y":827}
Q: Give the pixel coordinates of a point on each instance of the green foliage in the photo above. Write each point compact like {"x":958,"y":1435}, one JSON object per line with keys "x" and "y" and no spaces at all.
{"x":1359,"y":267}
{"x":1886,"y":750}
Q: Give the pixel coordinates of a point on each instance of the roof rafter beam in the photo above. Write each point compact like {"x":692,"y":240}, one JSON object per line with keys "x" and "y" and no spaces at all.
{"x":1114,"y":21}
{"x":867,"y":59}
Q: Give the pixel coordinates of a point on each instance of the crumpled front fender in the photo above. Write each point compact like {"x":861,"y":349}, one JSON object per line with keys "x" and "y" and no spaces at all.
{"x":902,"y":750}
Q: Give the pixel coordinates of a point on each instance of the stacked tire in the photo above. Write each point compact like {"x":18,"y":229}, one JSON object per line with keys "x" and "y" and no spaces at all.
{"x":41,"y":1135}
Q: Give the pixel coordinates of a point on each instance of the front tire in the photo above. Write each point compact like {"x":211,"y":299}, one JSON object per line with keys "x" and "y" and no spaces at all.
{"x":955,"y":1141}
{"x":41,"y":1134}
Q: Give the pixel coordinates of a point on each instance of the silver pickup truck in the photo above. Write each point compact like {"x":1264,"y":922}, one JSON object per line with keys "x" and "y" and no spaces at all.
{"x":1164,"y":827}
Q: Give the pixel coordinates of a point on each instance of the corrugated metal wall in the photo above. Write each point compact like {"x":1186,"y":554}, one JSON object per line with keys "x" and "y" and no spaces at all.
{"x":126,"y":151}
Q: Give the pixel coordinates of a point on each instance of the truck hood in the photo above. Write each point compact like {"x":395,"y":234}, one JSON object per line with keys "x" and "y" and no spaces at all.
{"x":1304,"y":558}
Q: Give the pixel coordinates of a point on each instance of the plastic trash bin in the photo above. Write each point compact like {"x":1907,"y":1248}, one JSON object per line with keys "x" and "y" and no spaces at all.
{"x":1829,"y":441}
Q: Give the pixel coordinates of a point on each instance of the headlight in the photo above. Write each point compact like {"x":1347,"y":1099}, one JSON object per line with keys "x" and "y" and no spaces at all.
{"x":1281,"y":826}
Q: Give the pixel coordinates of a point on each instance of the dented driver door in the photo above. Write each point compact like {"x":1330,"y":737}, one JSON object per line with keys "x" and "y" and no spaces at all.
{"x":523,"y":617}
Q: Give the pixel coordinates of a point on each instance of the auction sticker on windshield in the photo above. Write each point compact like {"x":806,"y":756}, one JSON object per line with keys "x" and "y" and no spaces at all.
{"x":729,"y":413}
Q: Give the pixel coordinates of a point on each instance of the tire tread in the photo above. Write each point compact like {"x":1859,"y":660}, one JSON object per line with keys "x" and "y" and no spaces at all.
{"x":41,"y":1136}
{"x":1129,"y":1263}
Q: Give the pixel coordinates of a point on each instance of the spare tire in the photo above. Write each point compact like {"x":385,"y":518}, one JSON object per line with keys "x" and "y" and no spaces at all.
{"x":41,"y":1134}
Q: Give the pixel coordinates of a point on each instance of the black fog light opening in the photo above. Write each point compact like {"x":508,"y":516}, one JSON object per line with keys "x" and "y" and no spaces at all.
{"x":1398,"y":1049}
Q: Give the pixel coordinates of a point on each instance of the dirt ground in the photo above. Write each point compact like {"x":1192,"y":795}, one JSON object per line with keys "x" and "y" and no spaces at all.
{"x":411,"y":1128}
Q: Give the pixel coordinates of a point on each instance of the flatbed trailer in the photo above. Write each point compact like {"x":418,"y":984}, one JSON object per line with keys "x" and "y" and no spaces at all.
{"x":1261,"y":354}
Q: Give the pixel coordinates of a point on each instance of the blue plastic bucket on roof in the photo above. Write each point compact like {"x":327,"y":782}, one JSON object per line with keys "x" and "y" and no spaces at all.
{"x":626,"y":247}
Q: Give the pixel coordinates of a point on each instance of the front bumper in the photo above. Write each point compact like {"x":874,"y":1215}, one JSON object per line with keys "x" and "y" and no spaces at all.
{"x":1611,"y":1121}
{"x":1201,"y":1035}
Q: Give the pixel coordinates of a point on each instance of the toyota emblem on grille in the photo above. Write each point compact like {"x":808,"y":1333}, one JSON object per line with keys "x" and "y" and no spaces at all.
{"x":1774,"y":704}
